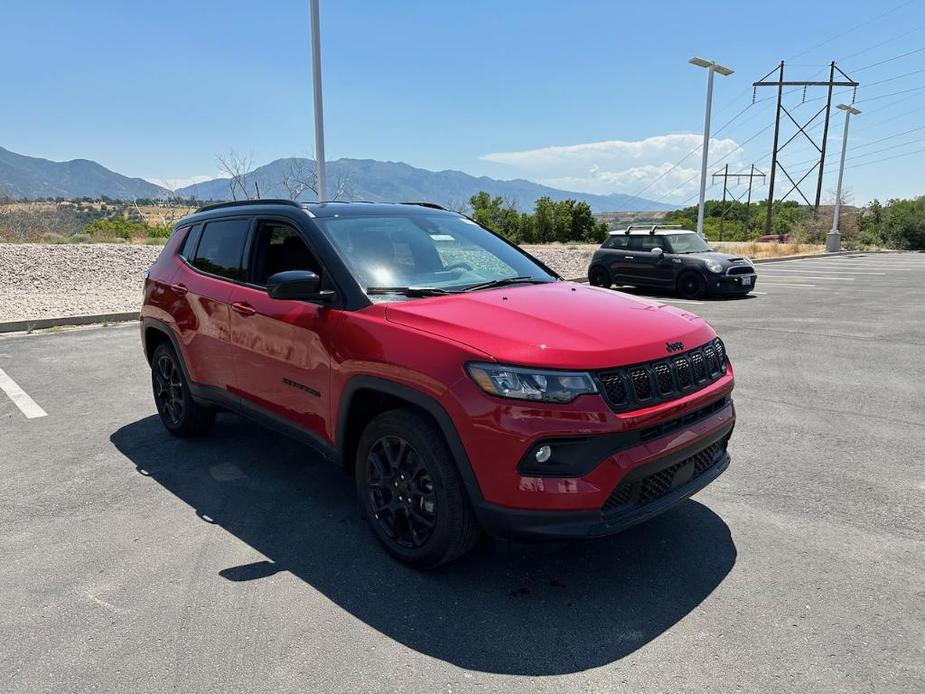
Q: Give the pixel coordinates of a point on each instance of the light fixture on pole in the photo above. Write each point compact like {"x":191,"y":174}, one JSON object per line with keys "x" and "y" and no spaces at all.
{"x":724,"y":71}
{"x":316,"y":89}
{"x":833,"y":239}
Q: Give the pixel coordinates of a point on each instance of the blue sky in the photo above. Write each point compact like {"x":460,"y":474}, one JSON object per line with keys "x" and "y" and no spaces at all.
{"x":594,"y":96}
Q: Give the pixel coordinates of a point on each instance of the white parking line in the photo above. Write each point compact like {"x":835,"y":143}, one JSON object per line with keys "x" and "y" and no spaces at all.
{"x":767,"y":283}
{"x":805,"y":277}
{"x":20,"y":398}
{"x":821,"y":269}
{"x":675,"y":301}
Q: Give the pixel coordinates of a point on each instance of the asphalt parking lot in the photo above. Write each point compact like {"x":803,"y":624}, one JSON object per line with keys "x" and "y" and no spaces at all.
{"x":239,"y":562}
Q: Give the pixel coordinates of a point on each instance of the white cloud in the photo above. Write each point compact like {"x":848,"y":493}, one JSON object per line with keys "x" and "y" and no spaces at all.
{"x":620,"y":166}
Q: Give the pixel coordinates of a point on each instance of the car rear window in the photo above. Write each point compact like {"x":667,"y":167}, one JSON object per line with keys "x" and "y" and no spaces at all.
{"x":616,"y":241}
{"x":221,"y":248}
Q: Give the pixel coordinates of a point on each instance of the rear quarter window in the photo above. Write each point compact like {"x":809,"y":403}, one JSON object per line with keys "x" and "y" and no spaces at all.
{"x":190,"y":242}
{"x":616,"y":241}
{"x":221,"y":248}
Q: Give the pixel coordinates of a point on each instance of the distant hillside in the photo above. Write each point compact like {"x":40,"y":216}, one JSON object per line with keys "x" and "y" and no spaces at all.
{"x":32,"y":177}
{"x":368,"y":179}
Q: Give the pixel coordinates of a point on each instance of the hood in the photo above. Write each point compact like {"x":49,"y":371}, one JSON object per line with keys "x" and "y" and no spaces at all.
{"x":558,"y":325}
{"x":724,"y":258}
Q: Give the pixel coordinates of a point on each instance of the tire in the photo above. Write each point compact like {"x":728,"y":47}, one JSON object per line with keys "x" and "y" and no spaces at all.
{"x":691,"y":286}
{"x":181,"y":415}
{"x":411,"y":491}
{"x":599,"y":277}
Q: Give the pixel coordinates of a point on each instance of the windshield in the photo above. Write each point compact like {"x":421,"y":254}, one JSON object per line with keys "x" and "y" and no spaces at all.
{"x":439,"y":251}
{"x":687,"y":243}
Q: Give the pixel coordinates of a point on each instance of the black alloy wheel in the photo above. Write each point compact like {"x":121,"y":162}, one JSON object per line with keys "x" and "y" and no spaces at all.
{"x":599,"y":277}
{"x":401,"y":492}
{"x":691,"y":286}
{"x":180,"y":413}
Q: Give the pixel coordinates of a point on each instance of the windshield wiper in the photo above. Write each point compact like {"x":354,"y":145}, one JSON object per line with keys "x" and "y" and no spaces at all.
{"x":503,"y":282}
{"x":408,"y":291}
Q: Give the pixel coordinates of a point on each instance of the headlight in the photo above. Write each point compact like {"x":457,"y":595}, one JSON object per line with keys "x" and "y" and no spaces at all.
{"x":714,"y":266}
{"x":531,"y":384}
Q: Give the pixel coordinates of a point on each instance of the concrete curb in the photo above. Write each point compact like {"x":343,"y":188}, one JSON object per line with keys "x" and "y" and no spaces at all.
{"x":45,"y":323}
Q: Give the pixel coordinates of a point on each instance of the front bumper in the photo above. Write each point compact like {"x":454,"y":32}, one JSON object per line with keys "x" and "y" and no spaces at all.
{"x":645,"y":492}
{"x":729,"y":285}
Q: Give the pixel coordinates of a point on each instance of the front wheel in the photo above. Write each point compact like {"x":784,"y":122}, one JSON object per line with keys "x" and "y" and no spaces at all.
{"x":411,"y":491}
{"x":691,"y":285}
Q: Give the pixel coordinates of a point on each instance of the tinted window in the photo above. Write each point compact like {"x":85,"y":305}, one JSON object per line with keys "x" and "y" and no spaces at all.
{"x":688,"y":243}
{"x":616,"y":241}
{"x":646,"y":242}
{"x":189,"y":244}
{"x":221,"y":248}
{"x":280,"y":248}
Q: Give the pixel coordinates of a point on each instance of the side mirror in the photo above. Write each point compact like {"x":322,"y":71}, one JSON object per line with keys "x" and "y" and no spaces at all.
{"x":297,"y":285}
{"x":657,"y":252}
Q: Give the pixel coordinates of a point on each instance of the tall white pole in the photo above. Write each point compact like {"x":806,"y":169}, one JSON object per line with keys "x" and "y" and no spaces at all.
{"x":833,"y":240}
{"x":319,"y":109}
{"x":706,"y":150}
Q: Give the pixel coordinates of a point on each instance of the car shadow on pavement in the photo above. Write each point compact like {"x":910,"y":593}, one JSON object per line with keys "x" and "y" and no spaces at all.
{"x":505,"y":608}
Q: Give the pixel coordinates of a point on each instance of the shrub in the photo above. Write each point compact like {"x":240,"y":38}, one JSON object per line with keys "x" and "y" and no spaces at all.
{"x":51,"y":237}
{"x":79,"y":238}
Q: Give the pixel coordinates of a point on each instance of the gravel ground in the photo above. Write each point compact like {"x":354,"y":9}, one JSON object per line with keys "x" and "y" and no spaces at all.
{"x":53,"y":281}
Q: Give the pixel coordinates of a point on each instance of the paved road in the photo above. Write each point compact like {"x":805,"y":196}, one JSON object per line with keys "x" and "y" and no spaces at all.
{"x":239,"y":563}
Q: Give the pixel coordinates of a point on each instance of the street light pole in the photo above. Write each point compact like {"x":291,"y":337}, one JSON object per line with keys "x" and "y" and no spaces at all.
{"x":319,"y":109}
{"x":833,"y":239}
{"x":711,"y":68}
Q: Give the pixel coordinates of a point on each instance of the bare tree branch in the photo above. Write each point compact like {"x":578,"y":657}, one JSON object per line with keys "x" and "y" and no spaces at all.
{"x":237,"y":167}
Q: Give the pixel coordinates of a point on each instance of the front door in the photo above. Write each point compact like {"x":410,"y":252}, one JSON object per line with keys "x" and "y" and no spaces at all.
{"x":650,"y":269}
{"x":280,"y":347}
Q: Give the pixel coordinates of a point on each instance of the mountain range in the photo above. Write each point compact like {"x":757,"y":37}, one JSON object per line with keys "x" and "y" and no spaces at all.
{"x":26,"y":177}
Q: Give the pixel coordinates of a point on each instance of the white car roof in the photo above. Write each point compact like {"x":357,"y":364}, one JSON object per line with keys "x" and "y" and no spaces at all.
{"x":646,"y":232}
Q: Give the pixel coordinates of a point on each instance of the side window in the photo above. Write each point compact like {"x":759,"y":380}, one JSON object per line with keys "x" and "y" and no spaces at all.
{"x":280,"y":248}
{"x":221,"y":248}
{"x":191,"y":241}
{"x":647,"y":242}
{"x":617,"y":241}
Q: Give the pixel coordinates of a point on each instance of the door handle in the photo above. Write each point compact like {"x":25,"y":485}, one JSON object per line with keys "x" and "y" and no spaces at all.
{"x":243,"y":308}
{"x":627,"y":257}
{"x":179,"y":288}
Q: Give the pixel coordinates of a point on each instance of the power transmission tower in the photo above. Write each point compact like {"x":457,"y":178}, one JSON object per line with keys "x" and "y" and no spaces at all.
{"x":801,"y":128}
{"x":750,"y":175}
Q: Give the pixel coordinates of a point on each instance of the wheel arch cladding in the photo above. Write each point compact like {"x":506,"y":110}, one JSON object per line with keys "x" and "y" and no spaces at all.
{"x":366,"y":396}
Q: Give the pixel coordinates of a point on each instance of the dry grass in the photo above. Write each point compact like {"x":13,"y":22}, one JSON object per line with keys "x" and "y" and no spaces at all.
{"x":767,"y":250}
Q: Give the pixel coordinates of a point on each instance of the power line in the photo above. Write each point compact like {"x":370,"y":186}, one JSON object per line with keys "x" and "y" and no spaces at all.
{"x":895,"y":156}
{"x":854,"y":28}
{"x":888,"y":60}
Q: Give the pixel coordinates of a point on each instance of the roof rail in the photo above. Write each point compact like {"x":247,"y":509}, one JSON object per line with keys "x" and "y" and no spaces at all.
{"x":651,"y":227}
{"x":245,"y":203}
{"x":431,"y":205}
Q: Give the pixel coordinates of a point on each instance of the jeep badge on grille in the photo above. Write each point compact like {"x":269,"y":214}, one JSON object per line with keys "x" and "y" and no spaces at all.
{"x":674,"y":346}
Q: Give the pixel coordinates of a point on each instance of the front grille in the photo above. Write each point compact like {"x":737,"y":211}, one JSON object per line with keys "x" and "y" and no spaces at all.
{"x":649,"y":488}
{"x":741,"y":270}
{"x":665,"y":379}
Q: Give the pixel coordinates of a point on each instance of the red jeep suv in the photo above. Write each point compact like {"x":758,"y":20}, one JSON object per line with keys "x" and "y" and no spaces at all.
{"x":463,"y":383}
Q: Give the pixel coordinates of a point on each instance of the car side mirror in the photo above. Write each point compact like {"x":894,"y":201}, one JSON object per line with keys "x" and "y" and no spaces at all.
{"x":657,"y":252}
{"x":297,"y":285}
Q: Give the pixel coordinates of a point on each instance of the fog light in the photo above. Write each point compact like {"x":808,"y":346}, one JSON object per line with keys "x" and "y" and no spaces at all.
{"x":543,"y":453}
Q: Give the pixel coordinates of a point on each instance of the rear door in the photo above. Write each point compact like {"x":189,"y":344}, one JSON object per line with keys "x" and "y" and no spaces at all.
{"x":211,"y":262}
{"x":281,"y":347}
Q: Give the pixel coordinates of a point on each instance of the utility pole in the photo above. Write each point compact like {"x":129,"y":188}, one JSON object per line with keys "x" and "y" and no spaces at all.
{"x":316,"y":91}
{"x":711,"y":67}
{"x":801,"y":129}
{"x":833,"y":239}
{"x":751,"y":175}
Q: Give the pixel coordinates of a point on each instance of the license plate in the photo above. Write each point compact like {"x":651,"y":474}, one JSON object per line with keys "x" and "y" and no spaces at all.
{"x":746,"y":281}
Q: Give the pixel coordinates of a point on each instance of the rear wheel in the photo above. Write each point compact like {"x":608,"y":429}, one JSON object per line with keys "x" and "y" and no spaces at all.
{"x":691,"y":285}
{"x":411,"y":491}
{"x":180,"y":414}
{"x":599,"y":277}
